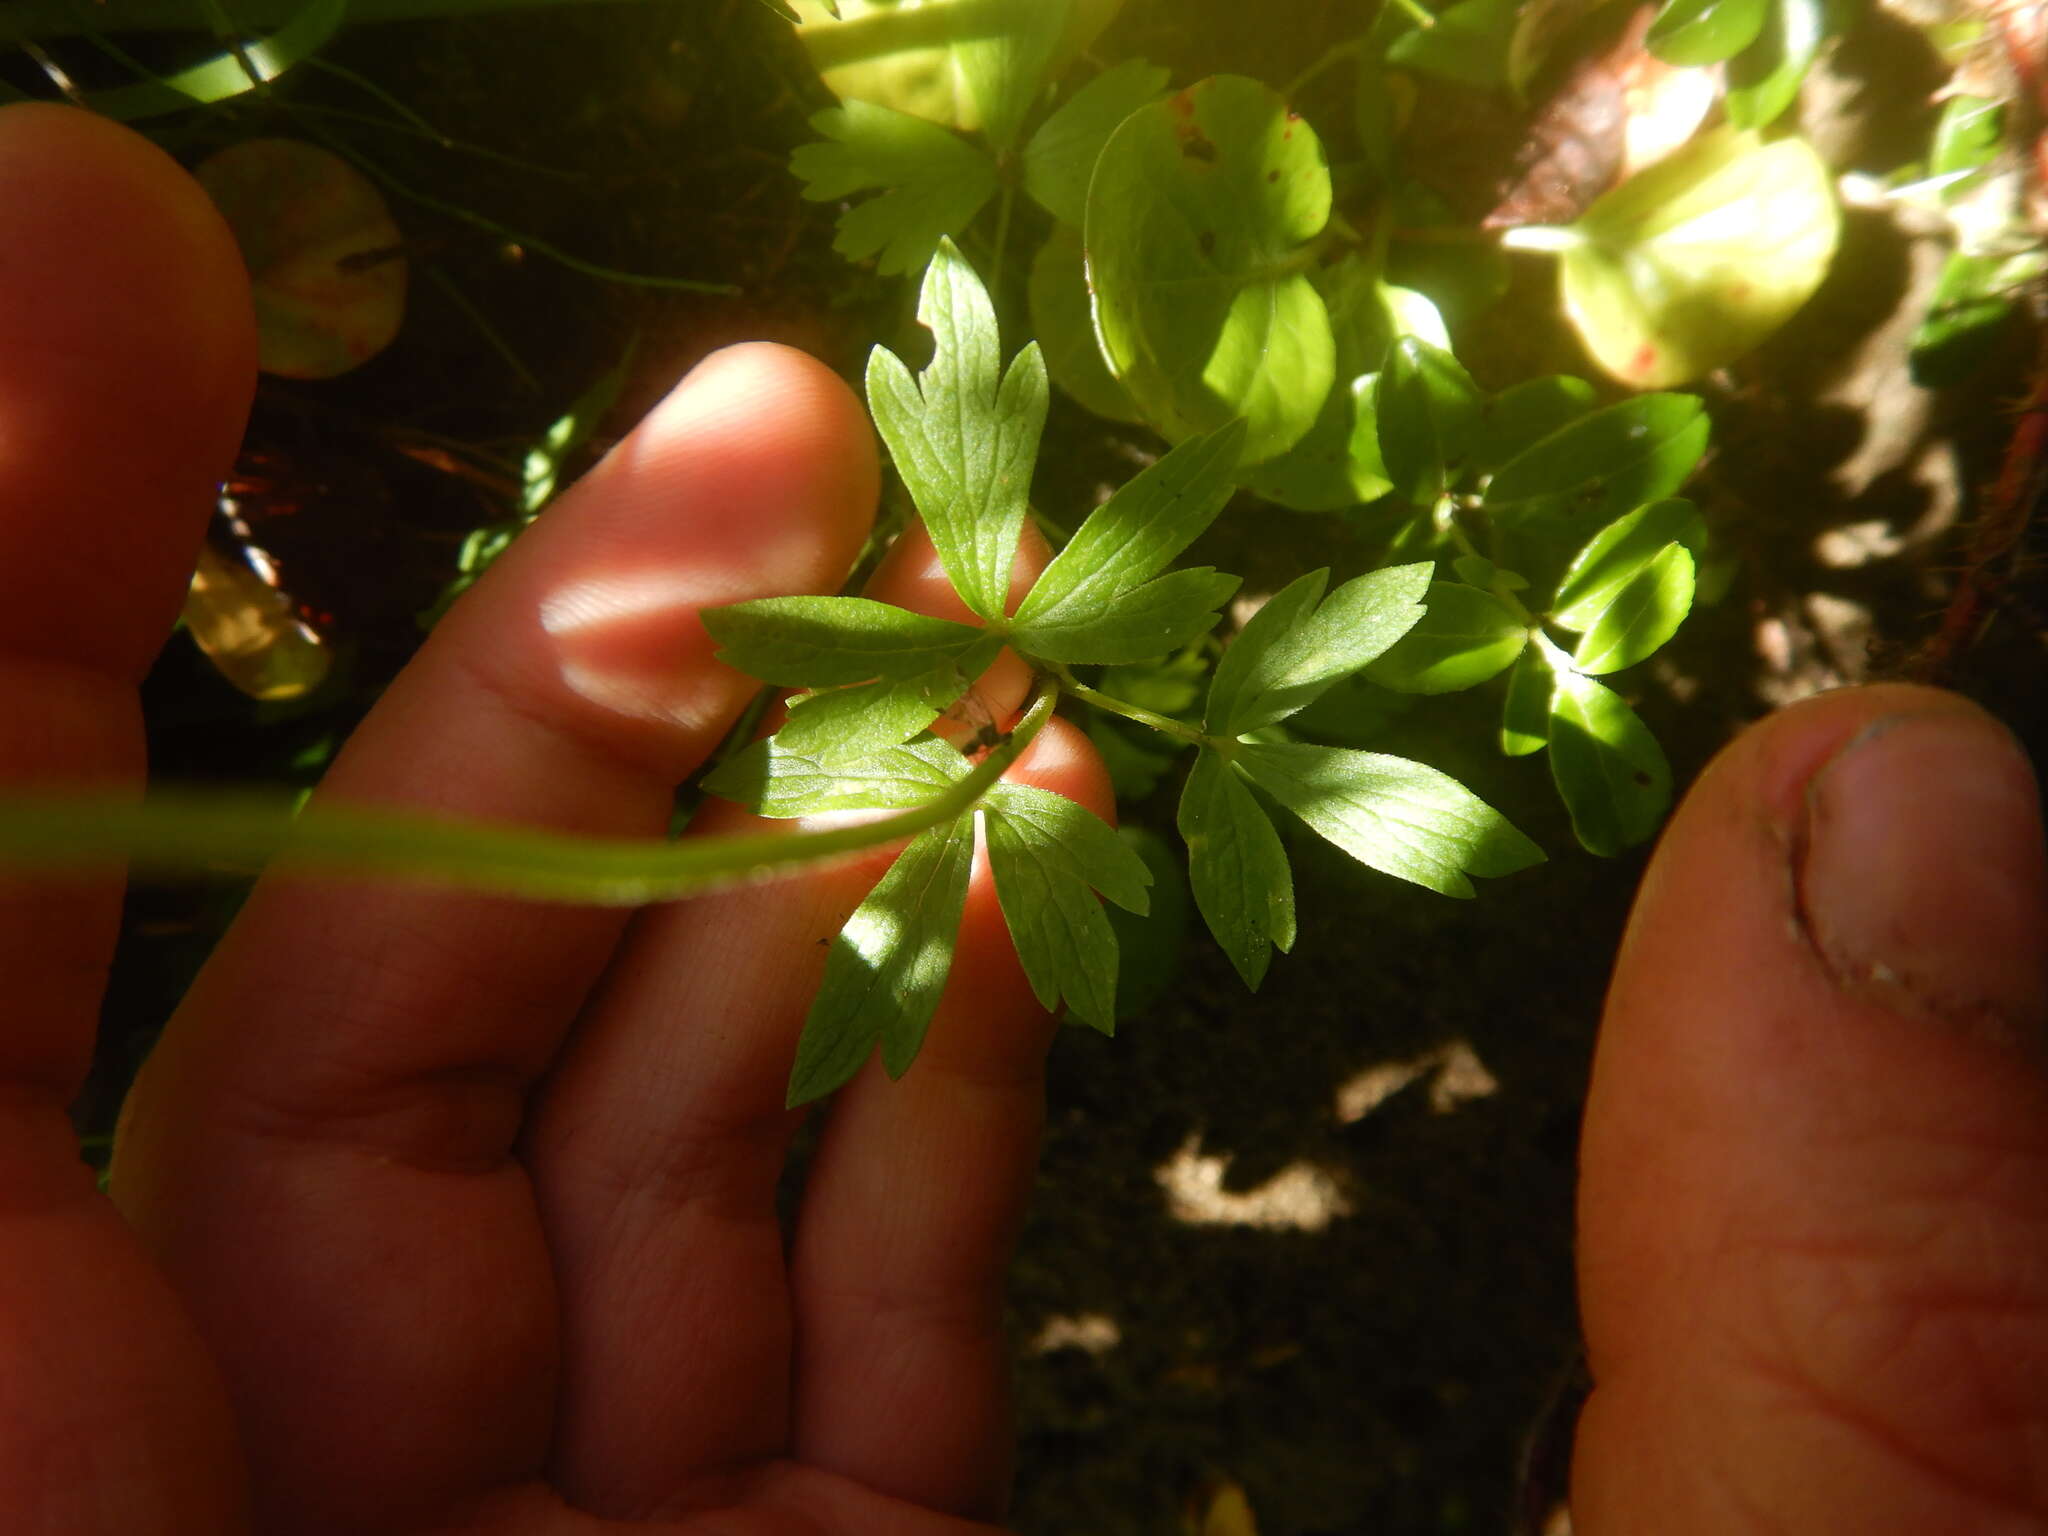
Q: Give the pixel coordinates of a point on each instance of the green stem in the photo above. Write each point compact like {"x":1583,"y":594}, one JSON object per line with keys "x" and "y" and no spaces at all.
{"x":1330,"y":60}
{"x":1550,"y":239}
{"x":180,"y":834}
{"x":1003,"y":209}
{"x":1143,"y":716}
{"x":1417,"y":14}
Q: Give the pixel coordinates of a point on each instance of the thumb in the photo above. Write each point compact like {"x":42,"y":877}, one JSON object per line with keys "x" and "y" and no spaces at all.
{"x":1813,"y":1211}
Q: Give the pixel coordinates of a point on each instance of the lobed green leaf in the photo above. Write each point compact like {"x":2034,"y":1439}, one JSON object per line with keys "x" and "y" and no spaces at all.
{"x":932,"y":182}
{"x":838,"y":723}
{"x":1136,"y":534}
{"x":1160,"y":616}
{"x":1399,"y":817}
{"x":1237,"y":867}
{"x":820,"y":641}
{"x":1293,"y":649}
{"x":771,"y":780}
{"x":964,"y":433}
{"x":888,"y":965}
{"x":1464,"y":637}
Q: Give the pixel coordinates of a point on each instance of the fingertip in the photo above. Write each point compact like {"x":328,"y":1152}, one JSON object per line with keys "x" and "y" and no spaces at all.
{"x":127,"y":362}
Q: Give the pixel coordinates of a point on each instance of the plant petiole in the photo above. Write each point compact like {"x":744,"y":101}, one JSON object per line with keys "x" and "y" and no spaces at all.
{"x":1115,"y":706}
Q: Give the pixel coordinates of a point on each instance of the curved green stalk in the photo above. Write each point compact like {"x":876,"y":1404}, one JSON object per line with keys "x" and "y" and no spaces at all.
{"x":183,"y":833}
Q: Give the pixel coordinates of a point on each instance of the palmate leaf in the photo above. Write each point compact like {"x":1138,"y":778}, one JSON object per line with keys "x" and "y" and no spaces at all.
{"x":1160,"y":616}
{"x":1049,"y":856}
{"x":836,"y":723}
{"x":807,"y":642}
{"x":1237,"y":867}
{"x":964,"y":433}
{"x":769,"y":779}
{"x":1295,"y":647}
{"x":888,"y":966}
{"x":1399,"y":817}
{"x":932,"y":182}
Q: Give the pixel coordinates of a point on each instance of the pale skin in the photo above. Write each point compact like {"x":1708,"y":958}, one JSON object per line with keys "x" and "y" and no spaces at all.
{"x":439,"y":1213}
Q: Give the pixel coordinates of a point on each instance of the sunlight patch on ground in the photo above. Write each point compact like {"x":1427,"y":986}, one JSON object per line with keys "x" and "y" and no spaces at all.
{"x":1456,"y":1071}
{"x":1093,"y":1333}
{"x":1301,"y":1197}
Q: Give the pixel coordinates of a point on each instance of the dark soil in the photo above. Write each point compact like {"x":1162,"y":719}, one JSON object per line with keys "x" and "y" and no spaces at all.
{"x":1385,"y":1372}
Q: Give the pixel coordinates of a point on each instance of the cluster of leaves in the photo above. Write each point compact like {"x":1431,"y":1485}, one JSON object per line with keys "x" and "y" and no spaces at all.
{"x":964,"y":435}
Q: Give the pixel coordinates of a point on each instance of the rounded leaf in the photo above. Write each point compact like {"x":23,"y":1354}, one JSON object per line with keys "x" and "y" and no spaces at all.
{"x":1706,"y":31}
{"x":1609,"y":769}
{"x":1696,"y":261}
{"x":326,"y":263}
{"x":1198,"y":215}
{"x":1066,"y":330}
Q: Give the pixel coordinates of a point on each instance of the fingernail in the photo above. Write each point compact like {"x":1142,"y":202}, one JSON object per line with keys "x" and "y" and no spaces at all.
{"x":1924,"y":883}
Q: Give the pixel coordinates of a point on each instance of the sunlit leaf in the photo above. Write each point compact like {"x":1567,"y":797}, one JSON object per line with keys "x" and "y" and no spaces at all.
{"x":1049,"y":857}
{"x":1061,"y":156}
{"x":1160,"y":616}
{"x":227,"y":75}
{"x":770,"y":780}
{"x":1612,"y":774}
{"x":1237,"y":867}
{"x":1338,"y":463}
{"x":326,"y":263}
{"x":1641,"y":616}
{"x":1705,"y":31}
{"x":966,"y":64}
{"x":931,"y":182}
{"x":1525,"y":714}
{"x":1973,"y":298}
{"x":1294,"y":647}
{"x":1612,"y":461}
{"x":964,"y":433}
{"x":888,"y":965}
{"x":1967,"y":136}
{"x":1696,"y":261}
{"x":819,"y":641}
{"x":1516,"y":419}
{"x":1464,"y":637}
{"x":1065,"y":324}
{"x":1620,"y":552}
{"x":1198,"y":213}
{"x":1764,"y":79}
{"x":1401,"y":818}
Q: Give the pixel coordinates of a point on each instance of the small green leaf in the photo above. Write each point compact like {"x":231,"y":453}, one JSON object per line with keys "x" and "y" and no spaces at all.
{"x":1293,"y":649}
{"x":1516,"y":419}
{"x":1967,"y":136}
{"x":1973,"y":298}
{"x":1764,"y":79}
{"x":1705,"y":31}
{"x":932,"y":182}
{"x":1061,"y":155}
{"x":1613,"y":557}
{"x":1049,"y":856}
{"x":1428,"y":412}
{"x":888,"y":966}
{"x":1338,"y":463}
{"x":964,"y":433}
{"x":1135,"y":534}
{"x":838,"y":723}
{"x":1643,"y":615}
{"x":1591,"y":470}
{"x":1608,"y":767}
{"x":1396,"y":816}
{"x":1237,"y":867}
{"x":1160,"y":616}
{"x":1475,"y":570}
{"x":1463,"y":638}
{"x":1525,"y":716}
{"x":1468,"y":45}
{"x":1198,"y":215}
{"x":820,"y":641}
{"x":1692,"y":263}
{"x":770,"y":780}
{"x":1060,"y":315}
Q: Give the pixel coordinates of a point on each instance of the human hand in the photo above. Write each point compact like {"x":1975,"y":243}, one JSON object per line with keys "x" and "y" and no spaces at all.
{"x":1813,"y":1205}
{"x":458,"y":1213}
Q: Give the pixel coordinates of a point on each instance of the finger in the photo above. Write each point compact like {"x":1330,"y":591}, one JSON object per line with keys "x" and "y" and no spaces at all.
{"x":657,"y":1152}
{"x":1814,"y":1205}
{"x":322,"y":1150}
{"x":127,"y":357}
{"x":912,"y":1210}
